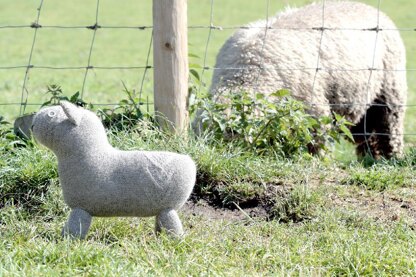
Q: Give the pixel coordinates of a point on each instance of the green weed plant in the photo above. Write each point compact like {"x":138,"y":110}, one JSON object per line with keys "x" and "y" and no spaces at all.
{"x":282,"y":127}
{"x":57,"y":95}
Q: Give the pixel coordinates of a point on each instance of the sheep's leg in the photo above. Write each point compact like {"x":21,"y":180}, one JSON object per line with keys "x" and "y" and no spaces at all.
{"x":78,"y":224}
{"x":169,"y":221}
{"x":383,"y":131}
{"x":390,"y":129}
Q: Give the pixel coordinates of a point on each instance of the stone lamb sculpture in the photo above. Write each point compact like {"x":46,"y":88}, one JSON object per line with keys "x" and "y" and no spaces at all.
{"x":99,"y":180}
{"x":349,"y":66}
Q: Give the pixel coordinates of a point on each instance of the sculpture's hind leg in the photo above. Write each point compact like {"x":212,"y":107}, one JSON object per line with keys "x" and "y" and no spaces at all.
{"x":169,"y":221}
{"x":384,"y":130}
{"x":78,"y":224}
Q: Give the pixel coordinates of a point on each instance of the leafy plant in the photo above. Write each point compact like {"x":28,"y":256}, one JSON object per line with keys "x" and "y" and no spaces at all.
{"x":123,"y":116}
{"x":281,"y":127}
{"x":126,"y":114}
{"x":57,"y":95}
{"x":195,"y":85}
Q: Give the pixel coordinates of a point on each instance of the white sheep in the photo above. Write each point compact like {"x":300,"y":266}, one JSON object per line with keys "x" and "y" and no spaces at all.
{"x":335,"y":56}
{"x":99,"y":180}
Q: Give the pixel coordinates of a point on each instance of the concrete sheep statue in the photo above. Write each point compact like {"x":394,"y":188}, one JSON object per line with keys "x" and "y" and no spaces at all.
{"x":99,"y":180}
{"x":337,"y":56}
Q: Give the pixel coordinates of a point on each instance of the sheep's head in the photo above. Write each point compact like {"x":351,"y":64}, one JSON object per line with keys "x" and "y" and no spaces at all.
{"x":67,"y":127}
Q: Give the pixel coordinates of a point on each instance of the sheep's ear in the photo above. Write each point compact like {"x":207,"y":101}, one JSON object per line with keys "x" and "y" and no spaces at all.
{"x":73,"y":113}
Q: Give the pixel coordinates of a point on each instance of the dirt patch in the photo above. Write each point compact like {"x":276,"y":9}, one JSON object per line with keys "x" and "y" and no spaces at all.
{"x":219,"y":198}
{"x":204,"y":209}
{"x":213,"y":201}
{"x":382,"y":206}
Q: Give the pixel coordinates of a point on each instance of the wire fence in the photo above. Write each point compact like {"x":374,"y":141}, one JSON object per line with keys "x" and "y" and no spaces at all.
{"x":12,"y":99}
{"x":213,"y":26}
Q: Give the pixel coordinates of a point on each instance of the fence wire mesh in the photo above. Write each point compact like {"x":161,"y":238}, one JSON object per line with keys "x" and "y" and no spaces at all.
{"x":210,"y":23}
{"x":41,"y":72}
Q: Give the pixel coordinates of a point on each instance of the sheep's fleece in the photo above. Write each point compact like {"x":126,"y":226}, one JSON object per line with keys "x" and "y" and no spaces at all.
{"x":99,"y":180}
{"x":326,"y":61}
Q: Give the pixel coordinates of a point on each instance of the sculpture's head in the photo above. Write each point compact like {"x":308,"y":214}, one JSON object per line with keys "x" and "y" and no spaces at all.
{"x":67,"y":127}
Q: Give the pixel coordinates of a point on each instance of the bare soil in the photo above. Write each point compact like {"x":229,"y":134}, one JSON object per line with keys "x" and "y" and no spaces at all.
{"x":202,"y":208}
{"x":379,"y":206}
{"x":382,"y":206}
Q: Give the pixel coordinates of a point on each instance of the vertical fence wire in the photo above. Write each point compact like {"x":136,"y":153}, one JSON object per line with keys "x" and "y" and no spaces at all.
{"x":146,"y":69}
{"x":318,"y":57}
{"x":368,"y":102}
{"x":25,"y":92}
{"x":211,"y":27}
{"x":263,"y":46}
{"x":94,"y":27}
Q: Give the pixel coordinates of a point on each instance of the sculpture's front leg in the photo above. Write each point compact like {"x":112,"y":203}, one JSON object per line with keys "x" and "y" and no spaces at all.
{"x":78,"y":224}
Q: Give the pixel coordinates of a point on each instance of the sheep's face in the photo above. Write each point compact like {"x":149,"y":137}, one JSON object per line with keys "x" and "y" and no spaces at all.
{"x":68,"y":128}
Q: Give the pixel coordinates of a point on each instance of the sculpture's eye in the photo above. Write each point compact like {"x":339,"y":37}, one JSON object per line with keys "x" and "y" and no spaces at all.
{"x":51,"y":113}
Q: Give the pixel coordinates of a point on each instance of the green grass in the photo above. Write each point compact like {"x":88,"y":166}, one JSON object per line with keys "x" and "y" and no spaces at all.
{"x":335,"y":244}
{"x":380,"y":177}
{"x":330,"y":216}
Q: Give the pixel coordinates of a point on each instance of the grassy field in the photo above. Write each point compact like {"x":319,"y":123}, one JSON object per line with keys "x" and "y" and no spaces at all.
{"x":249,"y":215}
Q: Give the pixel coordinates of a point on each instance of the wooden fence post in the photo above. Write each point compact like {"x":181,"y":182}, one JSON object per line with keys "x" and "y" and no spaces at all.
{"x":170,"y":57}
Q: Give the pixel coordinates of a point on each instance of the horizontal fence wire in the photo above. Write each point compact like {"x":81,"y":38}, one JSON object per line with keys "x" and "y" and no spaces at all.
{"x":211,"y":27}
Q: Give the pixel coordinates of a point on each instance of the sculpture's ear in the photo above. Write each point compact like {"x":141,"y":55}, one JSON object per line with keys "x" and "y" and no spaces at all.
{"x":73,"y":113}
